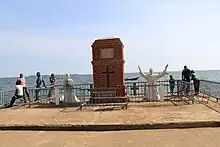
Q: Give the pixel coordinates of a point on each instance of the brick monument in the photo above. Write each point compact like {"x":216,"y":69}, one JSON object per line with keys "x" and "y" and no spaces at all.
{"x":108,"y":65}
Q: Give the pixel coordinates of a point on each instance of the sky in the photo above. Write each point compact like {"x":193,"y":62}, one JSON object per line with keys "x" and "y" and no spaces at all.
{"x":56,"y":36}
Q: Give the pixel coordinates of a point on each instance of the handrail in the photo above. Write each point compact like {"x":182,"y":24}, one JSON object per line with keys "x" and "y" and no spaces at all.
{"x":206,"y":86}
{"x":164,"y":82}
{"x":210,"y":81}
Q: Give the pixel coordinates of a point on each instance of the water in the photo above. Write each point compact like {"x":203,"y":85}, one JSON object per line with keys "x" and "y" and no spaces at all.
{"x":205,"y":87}
{"x":8,"y":83}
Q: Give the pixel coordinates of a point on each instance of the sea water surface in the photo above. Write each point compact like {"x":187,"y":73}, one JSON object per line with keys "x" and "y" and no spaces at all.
{"x":9,"y":83}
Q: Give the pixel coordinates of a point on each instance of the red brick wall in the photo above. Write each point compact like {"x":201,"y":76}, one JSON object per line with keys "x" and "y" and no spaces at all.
{"x":115,"y":64}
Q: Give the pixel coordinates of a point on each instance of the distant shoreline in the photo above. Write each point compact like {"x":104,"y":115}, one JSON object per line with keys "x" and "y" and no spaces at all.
{"x":91,"y":73}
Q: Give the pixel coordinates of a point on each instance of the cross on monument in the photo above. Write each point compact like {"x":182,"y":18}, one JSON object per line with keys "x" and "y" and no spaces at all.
{"x":134,"y":88}
{"x":108,"y":74}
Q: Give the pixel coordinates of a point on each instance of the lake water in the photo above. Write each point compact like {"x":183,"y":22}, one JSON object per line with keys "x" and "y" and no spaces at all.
{"x":8,"y":83}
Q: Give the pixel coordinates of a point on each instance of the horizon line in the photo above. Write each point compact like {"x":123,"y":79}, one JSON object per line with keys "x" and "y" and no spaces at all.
{"x":92,"y":74}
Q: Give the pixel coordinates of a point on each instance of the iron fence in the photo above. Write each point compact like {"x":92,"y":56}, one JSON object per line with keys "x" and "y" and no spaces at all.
{"x":210,"y":88}
{"x":135,"y":92}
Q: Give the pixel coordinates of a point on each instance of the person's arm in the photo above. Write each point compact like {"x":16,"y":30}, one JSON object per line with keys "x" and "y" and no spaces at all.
{"x":183,"y":75}
{"x":38,"y":82}
{"x":24,"y":81}
{"x":44,"y":85}
{"x":190,"y":74}
{"x":54,"y":80}
{"x":16,"y":91}
{"x":51,"y":80}
{"x":192,"y":77}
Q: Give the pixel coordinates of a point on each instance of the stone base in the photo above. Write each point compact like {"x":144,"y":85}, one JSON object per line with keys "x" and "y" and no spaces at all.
{"x":121,"y":91}
{"x":100,"y":100}
{"x":111,"y":127}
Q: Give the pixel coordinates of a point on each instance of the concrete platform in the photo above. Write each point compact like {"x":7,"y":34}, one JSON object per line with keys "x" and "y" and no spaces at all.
{"x":144,"y":117}
{"x":205,"y":137}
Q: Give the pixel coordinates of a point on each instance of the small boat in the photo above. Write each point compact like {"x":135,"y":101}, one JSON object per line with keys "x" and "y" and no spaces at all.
{"x":132,"y":79}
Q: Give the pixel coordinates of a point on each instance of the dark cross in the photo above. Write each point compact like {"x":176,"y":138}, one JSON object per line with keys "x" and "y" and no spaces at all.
{"x":108,"y":74}
{"x":134,"y":88}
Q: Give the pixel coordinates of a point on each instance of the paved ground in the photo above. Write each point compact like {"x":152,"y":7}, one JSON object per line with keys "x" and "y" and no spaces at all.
{"x":138,"y":114}
{"x":155,"y":138}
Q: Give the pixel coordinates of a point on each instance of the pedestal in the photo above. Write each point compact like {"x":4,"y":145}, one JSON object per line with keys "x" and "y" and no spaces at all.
{"x":108,"y":70}
{"x":162,"y":92}
{"x":121,"y":91}
{"x":68,"y":95}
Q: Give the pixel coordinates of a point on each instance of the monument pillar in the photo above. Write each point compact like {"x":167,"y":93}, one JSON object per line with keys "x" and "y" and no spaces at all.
{"x":108,"y":65}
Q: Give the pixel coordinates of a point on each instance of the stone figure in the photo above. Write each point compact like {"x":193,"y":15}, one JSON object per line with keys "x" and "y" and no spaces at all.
{"x":153,"y":92}
{"x":69,"y":93}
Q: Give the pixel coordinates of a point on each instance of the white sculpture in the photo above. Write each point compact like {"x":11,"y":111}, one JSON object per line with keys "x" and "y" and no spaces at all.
{"x":153,"y":92}
{"x":68,"y":82}
{"x":162,"y":92}
{"x":69,"y":92}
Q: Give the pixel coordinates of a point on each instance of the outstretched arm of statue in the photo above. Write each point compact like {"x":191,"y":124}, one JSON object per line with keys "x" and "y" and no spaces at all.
{"x":163,"y":73}
{"x":142,"y":74}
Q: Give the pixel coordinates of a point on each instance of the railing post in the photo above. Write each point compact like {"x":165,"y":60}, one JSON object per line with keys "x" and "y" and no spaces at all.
{"x":91,"y":90}
{"x":134,"y":88}
{"x":145,"y":89}
{"x":178,"y":88}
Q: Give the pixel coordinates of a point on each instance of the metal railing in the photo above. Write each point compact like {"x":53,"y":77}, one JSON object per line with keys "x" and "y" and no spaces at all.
{"x":135,"y":92}
{"x":210,"y":88}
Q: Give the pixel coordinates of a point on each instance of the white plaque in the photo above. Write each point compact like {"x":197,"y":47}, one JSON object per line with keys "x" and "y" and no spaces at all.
{"x":107,"y":53}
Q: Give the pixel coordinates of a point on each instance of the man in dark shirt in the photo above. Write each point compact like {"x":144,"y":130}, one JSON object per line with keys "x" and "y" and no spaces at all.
{"x":172,"y":84}
{"x":39,"y":82}
{"x":186,"y":76}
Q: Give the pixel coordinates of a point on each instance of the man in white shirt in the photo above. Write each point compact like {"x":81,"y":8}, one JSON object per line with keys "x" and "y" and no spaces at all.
{"x":19,"y":93}
{"x":23,"y":82}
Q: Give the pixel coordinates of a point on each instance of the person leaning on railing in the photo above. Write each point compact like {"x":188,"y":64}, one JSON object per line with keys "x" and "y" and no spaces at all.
{"x":196,"y":82}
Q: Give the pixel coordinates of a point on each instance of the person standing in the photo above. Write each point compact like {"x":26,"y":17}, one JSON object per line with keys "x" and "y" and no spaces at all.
{"x":186,"y":77}
{"x":23,"y":82}
{"x":196,"y":82}
{"x":39,"y":83}
{"x":52,"y":84}
{"x":172,"y":84}
{"x":52,"y":79}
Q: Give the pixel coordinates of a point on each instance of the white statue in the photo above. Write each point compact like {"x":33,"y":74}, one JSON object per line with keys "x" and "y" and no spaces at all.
{"x":68,"y":82}
{"x":69,"y":93}
{"x":153,"y":92}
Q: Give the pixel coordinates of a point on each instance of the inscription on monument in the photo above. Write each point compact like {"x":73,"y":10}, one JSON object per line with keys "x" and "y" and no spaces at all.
{"x":107,"y":53}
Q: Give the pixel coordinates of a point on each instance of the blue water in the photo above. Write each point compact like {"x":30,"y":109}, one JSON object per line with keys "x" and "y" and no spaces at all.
{"x":8,"y":83}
